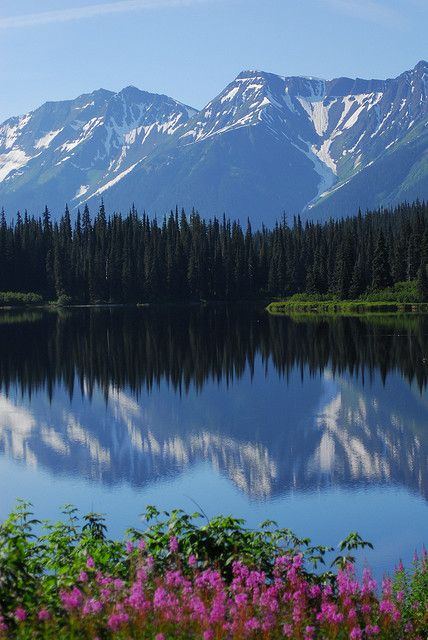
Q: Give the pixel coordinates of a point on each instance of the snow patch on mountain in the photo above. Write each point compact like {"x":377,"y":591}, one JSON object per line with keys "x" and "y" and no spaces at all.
{"x":115,"y":180}
{"x":44,"y":141}
{"x":12,"y":161}
{"x":323,"y":154}
{"x":81,"y":191}
{"x":9,"y":133}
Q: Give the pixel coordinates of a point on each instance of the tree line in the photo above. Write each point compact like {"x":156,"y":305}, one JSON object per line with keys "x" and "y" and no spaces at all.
{"x":133,"y":258}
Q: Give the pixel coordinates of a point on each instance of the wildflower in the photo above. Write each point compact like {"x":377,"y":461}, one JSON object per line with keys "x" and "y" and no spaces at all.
{"x":83,"y":576}
{"x":315,"y":591}
{"x":43,"y":615}
{"x":141,"y":544}
{"x":159,"y":636}
{"x":92,"y":606}
{"x":372,"y":630}
{"x":356,"y":633}
{"x":116,"y":620}
{"x":252,"y":624}
{"x":129,"y":546}
{"x":90,"y":562}
{"x":3,"y":625}
{"x":173,"y":544}
{"x":71,"y":599}
{"x":118,"y":584}
{"x":20,"y":614}
{"x":192,"y":561}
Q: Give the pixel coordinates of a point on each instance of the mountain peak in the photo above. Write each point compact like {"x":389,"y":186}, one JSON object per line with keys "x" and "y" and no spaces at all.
{"x":253,"y":74}
{"x":421,"y":69}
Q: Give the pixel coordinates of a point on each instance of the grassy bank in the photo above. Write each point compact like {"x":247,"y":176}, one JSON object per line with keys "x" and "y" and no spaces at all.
{"x":345,"y":307}
{"x":18,"y":299}
{"x":403,"y":297}
{"x":181,"y":578}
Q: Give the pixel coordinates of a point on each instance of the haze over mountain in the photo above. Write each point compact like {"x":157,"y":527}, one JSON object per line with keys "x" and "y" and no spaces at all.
{"x":266,"y":144}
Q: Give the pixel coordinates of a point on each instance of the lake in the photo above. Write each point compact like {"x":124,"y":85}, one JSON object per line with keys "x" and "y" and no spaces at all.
{"x":320,"y":424}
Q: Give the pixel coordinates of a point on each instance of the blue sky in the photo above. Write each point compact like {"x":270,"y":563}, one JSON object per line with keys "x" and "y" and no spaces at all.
{"x":190,"y":49}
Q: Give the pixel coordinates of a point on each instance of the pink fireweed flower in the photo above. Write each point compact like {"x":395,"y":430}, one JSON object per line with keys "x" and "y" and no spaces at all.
{"x":116,"y":620}
{"x":92,"y":606}
{"x":43,"y":615}
{"x":118,"y":584}
{"x":20,"y":614}
{"x":372,"y":630}
{"x":129,"y":546}
{"x":71,"y":599}
{"x":356,"y":633}
{"x":83,"y":576}
{"x":173,"y":544}
{"x":315,"y":591}
{"x":192,"y":561}
{"x":159,"y":636}
{"x":142,"y":545}
{"x":90,"y":562}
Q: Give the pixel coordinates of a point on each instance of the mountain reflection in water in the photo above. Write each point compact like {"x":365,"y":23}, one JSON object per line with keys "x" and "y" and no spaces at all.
{"x":274,"y":404}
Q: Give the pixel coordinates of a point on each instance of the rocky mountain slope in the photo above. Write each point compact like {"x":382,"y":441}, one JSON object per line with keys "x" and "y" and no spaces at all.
{"x":264,"y":145}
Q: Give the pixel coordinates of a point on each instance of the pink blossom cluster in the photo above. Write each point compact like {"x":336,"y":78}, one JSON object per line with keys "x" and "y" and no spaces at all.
{"x":188,"y":601}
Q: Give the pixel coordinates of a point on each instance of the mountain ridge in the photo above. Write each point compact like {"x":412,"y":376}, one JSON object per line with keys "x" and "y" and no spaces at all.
{"x":264,"y":145}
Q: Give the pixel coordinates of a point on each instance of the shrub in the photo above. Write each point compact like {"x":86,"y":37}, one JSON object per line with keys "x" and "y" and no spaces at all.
{"x":72,"y":582}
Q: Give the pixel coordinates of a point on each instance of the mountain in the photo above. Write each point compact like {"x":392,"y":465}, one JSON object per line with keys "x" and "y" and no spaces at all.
{"x":264,"y":145}
{"x":67,"y":151}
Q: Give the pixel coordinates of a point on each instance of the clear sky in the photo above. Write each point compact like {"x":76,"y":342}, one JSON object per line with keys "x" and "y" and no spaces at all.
{"x":190,"y":49}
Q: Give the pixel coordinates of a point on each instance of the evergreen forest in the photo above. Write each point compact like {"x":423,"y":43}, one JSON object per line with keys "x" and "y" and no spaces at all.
{"x":133,"y":258}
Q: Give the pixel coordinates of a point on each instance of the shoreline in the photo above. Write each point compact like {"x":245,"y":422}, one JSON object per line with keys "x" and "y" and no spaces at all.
{"x":346,"y":308}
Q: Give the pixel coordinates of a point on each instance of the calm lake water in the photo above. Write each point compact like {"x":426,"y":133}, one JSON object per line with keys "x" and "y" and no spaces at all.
{"x":321,"y":425}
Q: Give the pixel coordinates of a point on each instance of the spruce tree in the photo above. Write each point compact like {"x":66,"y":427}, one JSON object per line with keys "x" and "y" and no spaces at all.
{"x":422,"y":283}
{"x":380,"y":267}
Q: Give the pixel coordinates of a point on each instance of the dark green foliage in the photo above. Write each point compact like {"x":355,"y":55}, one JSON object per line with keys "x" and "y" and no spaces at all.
{"x":422,"y":283}
{"x":381,"y":269}
{"x":219,"y":541}
{"x":132,"y":259}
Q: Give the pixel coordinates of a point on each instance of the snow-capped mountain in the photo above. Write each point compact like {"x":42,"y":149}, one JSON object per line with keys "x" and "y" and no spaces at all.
{"x":264,"y":145}
{"x":67,"y":151}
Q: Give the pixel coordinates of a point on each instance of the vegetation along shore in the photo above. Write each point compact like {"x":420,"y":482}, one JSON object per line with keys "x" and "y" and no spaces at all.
{"x":181,"y":577}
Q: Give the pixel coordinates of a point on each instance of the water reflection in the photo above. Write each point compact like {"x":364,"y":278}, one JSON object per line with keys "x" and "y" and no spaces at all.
{"x":274,"y":404}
